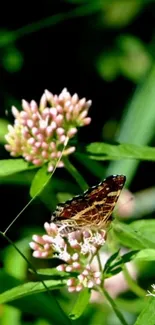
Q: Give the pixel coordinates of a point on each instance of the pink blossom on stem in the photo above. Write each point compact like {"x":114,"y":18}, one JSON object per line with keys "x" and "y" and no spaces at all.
{"x":53,"y":121}
{"x":77,"y":251}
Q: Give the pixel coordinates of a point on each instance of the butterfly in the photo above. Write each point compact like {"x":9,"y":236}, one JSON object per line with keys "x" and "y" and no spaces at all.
{"x":93,"y":209}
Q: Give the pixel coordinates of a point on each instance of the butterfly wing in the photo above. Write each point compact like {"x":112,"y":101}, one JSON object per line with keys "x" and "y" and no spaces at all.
{"x":93,"y":209}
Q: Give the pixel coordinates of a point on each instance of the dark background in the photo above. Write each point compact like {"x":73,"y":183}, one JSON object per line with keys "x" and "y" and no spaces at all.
{"x":65,"y":55}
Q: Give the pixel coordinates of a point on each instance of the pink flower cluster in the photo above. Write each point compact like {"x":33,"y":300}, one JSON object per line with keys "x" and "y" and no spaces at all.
{"x":40,"y":132}
{"x":76,"y":249}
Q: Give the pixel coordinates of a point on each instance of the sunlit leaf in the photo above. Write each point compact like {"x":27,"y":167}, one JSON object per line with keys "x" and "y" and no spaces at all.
{"x":147,"y":316}
{"x":81,"y":304}
{"x":28,"y":289}
{"x":40,"y":180}
{"x":37,"y":304}
{"x":104,"y":151}
{"x":146,"y":255}
{"x":11,"y":166}
{"x":137,"y":125}
{"x":53,"y":273}
{"x":130,"y":236}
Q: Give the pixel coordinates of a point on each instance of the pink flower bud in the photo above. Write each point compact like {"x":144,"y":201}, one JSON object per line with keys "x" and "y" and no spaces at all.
{"x":24,"y":115}
{"x":37,"y":144}
{"x":71,"y":282}
{"x":44,"y":145}
{"x":47,"y":239}
{"x":37,"y":162}
{"x":47,"y":247}
{"x":90,"y":284}
{"x":61,"y":268}
{"x":76,"y":265}
{"x":33,"y":245}
{"x":25,"y":105}
{"x":38,"y":239}
{"x":82,"y":115}
{"x":46,"y":112}
{"x":60,"y":131}
{"x":82,"y":102}
{"x":53,"y":112}
{"x":34,"y":131}
{"x":30,"y":123}
{"x":49,"y":130}
{"x":31,"y":141}
{"x":50,"y":168}
{"x":72,"y":132}
{"x":75,"y":99}
{"x":59,"y":119}
{"x":15,"y":111}
{"x":87,"y":120}
{"x":43,"y":102}
{"x":69,"y":268}
{"x":62,"y":139}
{"x":49,"y":95}
{"x":97,"y":274}
{"x":37,"y":254}
{"x":81,"y":277}
{"x":45,"y":154}
{"x":60,"y":164}
{"x":34,"y":106}
{"x":79,"y":287}
{"x":28,"y":158}
{"x":71,"y":289}
{"x":75,"y":256}
{"x":98,"y":281}
{"x":85,"y":272}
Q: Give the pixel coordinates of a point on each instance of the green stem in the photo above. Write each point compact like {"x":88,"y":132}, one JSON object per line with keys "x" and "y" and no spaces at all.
{"x":84,"y":10}
{"x":74,"y":172}
{"x":114,"y":306}
{"x":132,"y":284}
{"x":106,"y":294}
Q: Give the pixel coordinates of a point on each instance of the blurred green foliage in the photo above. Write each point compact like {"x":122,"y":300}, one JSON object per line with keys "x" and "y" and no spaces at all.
{"x":112,"y":48}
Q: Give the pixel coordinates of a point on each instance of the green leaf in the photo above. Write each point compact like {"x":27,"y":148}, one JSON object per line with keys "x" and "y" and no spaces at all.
{"x":11,"y":315}
{"x":13,"y":262}
{"x":147,"y":316}
{"x":52,"y":272}
{"x":146,"y":229}
{"x":40,"y":180}
{"x":37,"y":304}
{"x":114,"y":271}
{"x":111,"y":259}
{"x":28,"y":289}
{"x":129,"y":236}
{"x":104,"y":151}
{"x":129,"y":256}
{"x":115,"y":262}
{"x":11,"y":166}
{"x":81,"y":304}
{"x":137,"y":125}
{"x":146,"y":255}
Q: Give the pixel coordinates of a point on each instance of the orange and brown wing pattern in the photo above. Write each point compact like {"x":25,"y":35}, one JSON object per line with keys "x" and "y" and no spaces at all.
{"x":93,"y":209}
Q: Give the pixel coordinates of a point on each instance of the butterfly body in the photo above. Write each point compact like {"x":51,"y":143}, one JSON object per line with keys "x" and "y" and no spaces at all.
{"x":93,"y":209}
